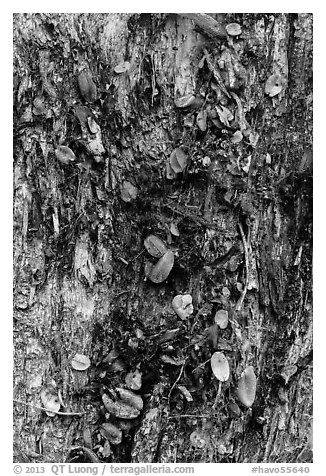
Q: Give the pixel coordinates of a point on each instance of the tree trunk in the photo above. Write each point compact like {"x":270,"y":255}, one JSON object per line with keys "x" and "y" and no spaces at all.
{"x":234,"y":204}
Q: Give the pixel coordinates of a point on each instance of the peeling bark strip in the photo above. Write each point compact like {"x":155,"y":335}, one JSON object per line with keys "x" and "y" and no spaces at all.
{"x":159,"y":158}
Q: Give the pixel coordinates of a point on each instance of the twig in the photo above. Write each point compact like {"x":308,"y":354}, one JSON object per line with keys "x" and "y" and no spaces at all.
{"x":246,"y":252}
{"x":177,"y":380}
{"x":47,"y":410}
{"x":201,"y":365}
{"x":192,"y":416}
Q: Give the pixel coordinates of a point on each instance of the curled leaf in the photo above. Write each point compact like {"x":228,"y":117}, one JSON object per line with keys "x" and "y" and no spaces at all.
{"x":185,"y":101}
{"x":50,"y":400}
{"x":80,"y":362}
{"x":220,"y":366}
{"x":155,"y":246}
{"x":174,"y":229}
{"x":182,"y":305}
{"x":161,"y":270}
{"x":233,"y":29}
{"x":246,"y":391}
{"x":224,"y":114}
{"x":119,"y":409}
{"x":178,"y":160}
{"x":113,"y":434}
{"x":201,"y":120}
{"x":122,"y":67}
{"x":128,"y":191}
{"x":64,"y":154}
{"x":130,"y":398}
{"x":221,"y":318}
{"x":93,"y":126}
{"x":274,"y":85}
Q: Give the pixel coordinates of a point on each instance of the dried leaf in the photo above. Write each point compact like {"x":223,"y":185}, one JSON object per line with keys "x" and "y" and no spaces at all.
{"x":113,"y":434}
{"x":119,"y":409}
{"x":170,"y":174}
{"x":197,"y":439}
{"x":134,"y":380}
{"x":128,"y":191}
{"x":201,"y":120}
{"x":233,"y":29}
{"x":274,"y":85}
{"x":87,"y":86}
{"x":224,"y":114}
{"x":178,"y":160}
{"x":182,"y":305}
{"x":155,"y":246}
{"x":50,"y":400}
{"x":174,"y":229}
{"x":122,"y":67}
{"x":220,"y":366}
{"x":237,"y":137}
{"x":221,"y":318}
{"x":64,"y":154}
{"x":246,"y":167}
{"x":80,"y":362}
{"x":172,"y":360}
{"x":161,"y":270}
{"x":234,"y":409}
{"x":93,"y":126}
{"x":246,"y":391}
{"x":185,"y":101}
{"x":130,"y":398}
{"x":185,"y":392}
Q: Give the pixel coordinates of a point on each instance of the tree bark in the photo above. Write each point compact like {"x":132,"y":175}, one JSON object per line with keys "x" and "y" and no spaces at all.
{"x":243,"y":208}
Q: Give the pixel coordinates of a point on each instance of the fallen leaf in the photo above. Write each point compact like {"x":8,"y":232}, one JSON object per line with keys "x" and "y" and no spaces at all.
{"x":172,"y":360}
{"x":201,"y":120}
{"x":64,"y":154}
{"x":122,"y":67}
{"x":93,"y":126}
{"x":50,"y":400}
{"x":87,"y":86}
{"x":246,"y":391}
{"x":80,"y":362}
{"x":130,"y":398}
{"x":197,"y":439}
{"x":237,"y":137}
{"x":178,"y":160}
{"x":134,"y":380}
{"x":274,"y":85}
{"x":174,"y":229}
{"x":185,"y":101}
{"x":233,"y":29}
{"x":220,"y":366}
{"x":161,"y":270}
{"x":119,"y":409}
{"x":128,"y":191}
{"x":182,"y":305}
{"x":224,"y":114}
{"x":155,"y":246}
{"x":170,"y":174}
{"x":221,"y":318}
{"x":113,"y":434}
{"x":185,"y":392}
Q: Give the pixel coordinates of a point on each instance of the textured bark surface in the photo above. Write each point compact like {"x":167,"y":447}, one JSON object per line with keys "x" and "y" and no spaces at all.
{"x":243,"y":209}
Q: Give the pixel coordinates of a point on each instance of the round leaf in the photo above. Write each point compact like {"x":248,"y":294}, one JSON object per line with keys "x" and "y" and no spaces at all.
{"x":221,"y":318}
{"x":161,"y":270}
{"x":155,"y":246}
{"x":246,"y":391}
{"x":80,"y":362}
{"x":274,"y":85}
{"x":233,"y":29}
{"x":220,"y":366}
{"x":182,"y":305}
{"x":128,"y":191}
{"x":122,"y":67}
